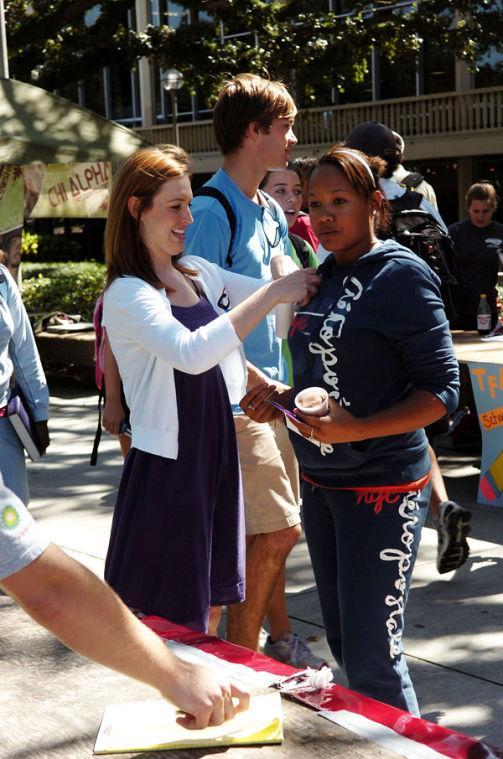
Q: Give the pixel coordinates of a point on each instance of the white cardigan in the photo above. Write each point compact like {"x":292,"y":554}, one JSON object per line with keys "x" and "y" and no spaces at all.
{"x":149,"y":343}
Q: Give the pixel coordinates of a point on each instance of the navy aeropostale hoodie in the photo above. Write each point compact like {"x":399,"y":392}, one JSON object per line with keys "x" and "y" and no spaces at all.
{"x":375,"y":331}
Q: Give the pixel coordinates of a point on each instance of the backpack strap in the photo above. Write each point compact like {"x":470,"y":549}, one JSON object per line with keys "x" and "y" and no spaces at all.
{"x":213,"y":192}
{"x":301,"y":248}
{"x":97,"y":436}
{"x":409,"y":201}
{"x":412,"y":180}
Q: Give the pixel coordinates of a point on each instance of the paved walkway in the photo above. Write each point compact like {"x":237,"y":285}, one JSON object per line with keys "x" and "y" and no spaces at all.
{"x":454,"y":638}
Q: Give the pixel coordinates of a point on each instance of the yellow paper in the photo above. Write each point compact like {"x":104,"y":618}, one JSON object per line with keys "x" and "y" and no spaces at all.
{"x":151,"y":725}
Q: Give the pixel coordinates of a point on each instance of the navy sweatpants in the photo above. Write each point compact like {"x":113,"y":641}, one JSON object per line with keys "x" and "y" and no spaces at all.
{"x":363,"y":548}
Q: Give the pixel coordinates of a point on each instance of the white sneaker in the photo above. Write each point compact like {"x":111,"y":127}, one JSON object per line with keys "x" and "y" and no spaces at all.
{"x":292,"y":650}
{"x":262,"y":638}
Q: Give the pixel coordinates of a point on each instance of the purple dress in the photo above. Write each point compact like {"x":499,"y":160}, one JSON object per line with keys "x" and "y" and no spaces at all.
{"x":177,"y":539}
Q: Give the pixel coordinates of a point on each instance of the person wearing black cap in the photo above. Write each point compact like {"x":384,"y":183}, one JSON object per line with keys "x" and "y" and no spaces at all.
{"x":376,"y":139}
{"x":451,"y":520}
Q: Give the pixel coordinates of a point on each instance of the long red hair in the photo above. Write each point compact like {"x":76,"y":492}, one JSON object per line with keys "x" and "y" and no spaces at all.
{"x":141,"y":175}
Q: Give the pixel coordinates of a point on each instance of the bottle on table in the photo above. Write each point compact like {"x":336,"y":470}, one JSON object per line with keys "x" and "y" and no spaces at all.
{"x":483,"y":316}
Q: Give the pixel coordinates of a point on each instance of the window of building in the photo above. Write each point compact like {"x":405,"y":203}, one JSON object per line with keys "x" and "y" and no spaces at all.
{"x":397,"y":79}
{"x":124,"y":96}
{"x":171,"y":14}
{"x":92,"y":14}
{"x":94,"y":93}
{"x":490,"y":69}
{"x":438,"y":69}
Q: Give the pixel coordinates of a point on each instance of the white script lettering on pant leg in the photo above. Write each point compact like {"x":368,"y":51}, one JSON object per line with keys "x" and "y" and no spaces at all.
{"x":331,"y":330}
{"x":402,"y":557}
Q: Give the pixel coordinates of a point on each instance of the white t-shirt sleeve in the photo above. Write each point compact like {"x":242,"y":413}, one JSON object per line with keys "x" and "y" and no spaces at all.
{"x":20,"y":539}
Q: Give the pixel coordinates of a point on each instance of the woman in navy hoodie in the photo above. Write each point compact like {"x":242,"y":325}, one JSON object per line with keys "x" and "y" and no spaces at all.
{"x":376,"y":337}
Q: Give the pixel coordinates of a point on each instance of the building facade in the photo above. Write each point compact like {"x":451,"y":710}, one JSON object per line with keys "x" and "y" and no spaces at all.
{"x":450,"y":119}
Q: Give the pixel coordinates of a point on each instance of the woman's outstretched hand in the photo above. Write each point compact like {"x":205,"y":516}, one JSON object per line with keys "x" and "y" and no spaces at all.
{"x":298,"y":287}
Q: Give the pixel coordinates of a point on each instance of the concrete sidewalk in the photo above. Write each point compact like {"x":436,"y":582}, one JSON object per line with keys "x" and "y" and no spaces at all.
{"x":454,"y":638}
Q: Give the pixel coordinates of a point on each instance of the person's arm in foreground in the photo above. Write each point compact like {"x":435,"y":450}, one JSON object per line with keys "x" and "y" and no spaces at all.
{"x":113,"y":412}
{"x":84,"y":613}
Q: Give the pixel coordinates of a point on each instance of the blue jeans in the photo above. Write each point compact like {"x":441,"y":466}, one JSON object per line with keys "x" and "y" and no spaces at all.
{"x":363,"y":554}
{"x":12,"y":461}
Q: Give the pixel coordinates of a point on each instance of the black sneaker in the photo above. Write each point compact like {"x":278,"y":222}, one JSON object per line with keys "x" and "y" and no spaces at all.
{"x":452,"y":528}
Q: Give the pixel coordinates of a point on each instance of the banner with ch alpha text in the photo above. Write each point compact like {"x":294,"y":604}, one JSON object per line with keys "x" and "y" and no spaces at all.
{"x":71,"y":190}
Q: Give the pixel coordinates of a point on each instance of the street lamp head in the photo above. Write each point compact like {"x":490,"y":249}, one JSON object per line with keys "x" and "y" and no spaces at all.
{"x":172,"y":79}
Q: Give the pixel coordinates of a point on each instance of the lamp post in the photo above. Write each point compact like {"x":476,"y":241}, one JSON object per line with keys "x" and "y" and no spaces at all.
{"x":4,"y":63}
{"x":172,"y":81}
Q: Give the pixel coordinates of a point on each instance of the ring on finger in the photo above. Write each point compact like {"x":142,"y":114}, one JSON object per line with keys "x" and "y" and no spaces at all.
{"x":251,"y":406}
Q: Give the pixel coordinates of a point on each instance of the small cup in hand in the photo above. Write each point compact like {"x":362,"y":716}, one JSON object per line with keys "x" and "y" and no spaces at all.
{"x":312,"y":401}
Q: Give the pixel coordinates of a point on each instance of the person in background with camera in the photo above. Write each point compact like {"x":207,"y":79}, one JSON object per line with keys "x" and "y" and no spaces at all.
{"x":19,"y":358}
{"x":478,"y":241}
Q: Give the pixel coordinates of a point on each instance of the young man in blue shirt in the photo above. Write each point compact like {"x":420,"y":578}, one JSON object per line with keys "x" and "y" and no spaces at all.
{"x":253,"y":121}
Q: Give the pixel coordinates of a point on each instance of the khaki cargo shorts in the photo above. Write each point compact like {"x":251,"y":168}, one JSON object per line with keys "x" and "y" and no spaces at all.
{"x":270,"y":476}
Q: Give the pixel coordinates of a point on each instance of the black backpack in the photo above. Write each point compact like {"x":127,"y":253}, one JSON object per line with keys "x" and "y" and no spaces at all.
{"x":418,"y":230}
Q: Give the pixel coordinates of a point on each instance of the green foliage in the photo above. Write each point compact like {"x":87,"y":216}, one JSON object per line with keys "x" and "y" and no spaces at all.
{"x":72,"y":287}
{"x":50,"y":247}
{"x":29,"y":243}
{"x":52,"y":42}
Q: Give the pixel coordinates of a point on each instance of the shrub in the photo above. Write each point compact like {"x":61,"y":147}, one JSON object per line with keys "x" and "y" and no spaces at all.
{"x":72,"y":287}
{"x":49,"y":247}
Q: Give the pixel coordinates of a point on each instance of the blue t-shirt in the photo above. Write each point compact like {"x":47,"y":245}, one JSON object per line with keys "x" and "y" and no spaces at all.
{"x":20,"y":541}
{"x":261,"y":231}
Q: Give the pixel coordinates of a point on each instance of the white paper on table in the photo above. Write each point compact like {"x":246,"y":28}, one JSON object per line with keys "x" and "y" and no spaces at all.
{"x":382,"y":735}
{"x":239,"y":673}
{"x":151,"y":725}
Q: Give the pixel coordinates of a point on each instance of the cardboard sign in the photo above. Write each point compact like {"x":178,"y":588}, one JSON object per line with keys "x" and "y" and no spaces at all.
{"x":75,"y":190}
{"x":487,"y":383}
{"x":11,"y":198}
